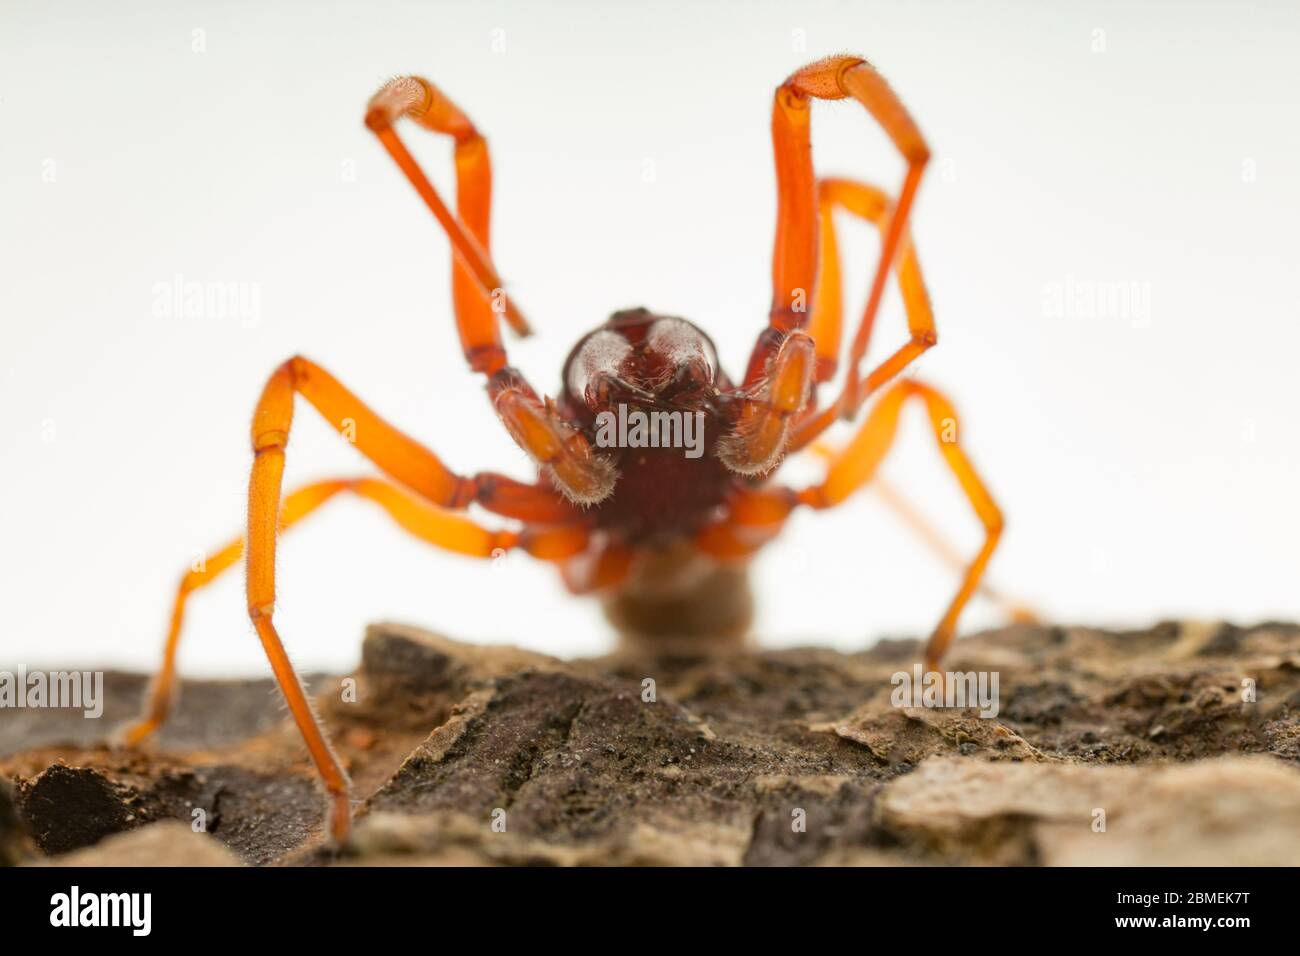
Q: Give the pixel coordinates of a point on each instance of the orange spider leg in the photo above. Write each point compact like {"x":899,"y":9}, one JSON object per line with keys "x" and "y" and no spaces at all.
{"x":606,"y":565}
{"x":794,"y":256}
{"x":726,"y":541}
{"x":162,"y":693}
{"x":898,"y":503}
{"x":410,"y":463}
{"x":826,"y":326}
{"x":874,"y":206}
{"x":871,"y":204}
{"x":476,"y":286}
{"x":756,"y":515}
{"x":400,"y":458}
{"x":857,"y":464}
{"x":795,"y":250}
{"x":753,"y":517}
{"x":431,"y":524}
{"x":477,"y":295}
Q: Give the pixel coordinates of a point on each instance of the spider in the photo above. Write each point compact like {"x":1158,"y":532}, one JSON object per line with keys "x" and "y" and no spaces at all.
{"x":661,"y":536}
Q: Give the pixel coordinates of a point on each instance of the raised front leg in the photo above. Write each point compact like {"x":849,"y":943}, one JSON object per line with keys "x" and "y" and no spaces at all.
{"x":477,"y":293}
{"x":477,"y":289}
{"x":795,"y":250}
{"x":794,"y":255}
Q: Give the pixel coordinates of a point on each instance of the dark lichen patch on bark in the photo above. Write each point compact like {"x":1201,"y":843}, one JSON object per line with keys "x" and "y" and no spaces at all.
{"x":71,"y":806}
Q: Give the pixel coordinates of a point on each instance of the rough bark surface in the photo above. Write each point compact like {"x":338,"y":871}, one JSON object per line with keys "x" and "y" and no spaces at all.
{"x":1174,"y":745}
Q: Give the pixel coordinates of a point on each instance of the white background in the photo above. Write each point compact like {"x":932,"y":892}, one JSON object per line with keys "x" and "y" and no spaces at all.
{"x":1147,"y":463}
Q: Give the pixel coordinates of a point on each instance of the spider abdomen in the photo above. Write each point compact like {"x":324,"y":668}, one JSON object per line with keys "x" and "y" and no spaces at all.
{"x":678,"y":598}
